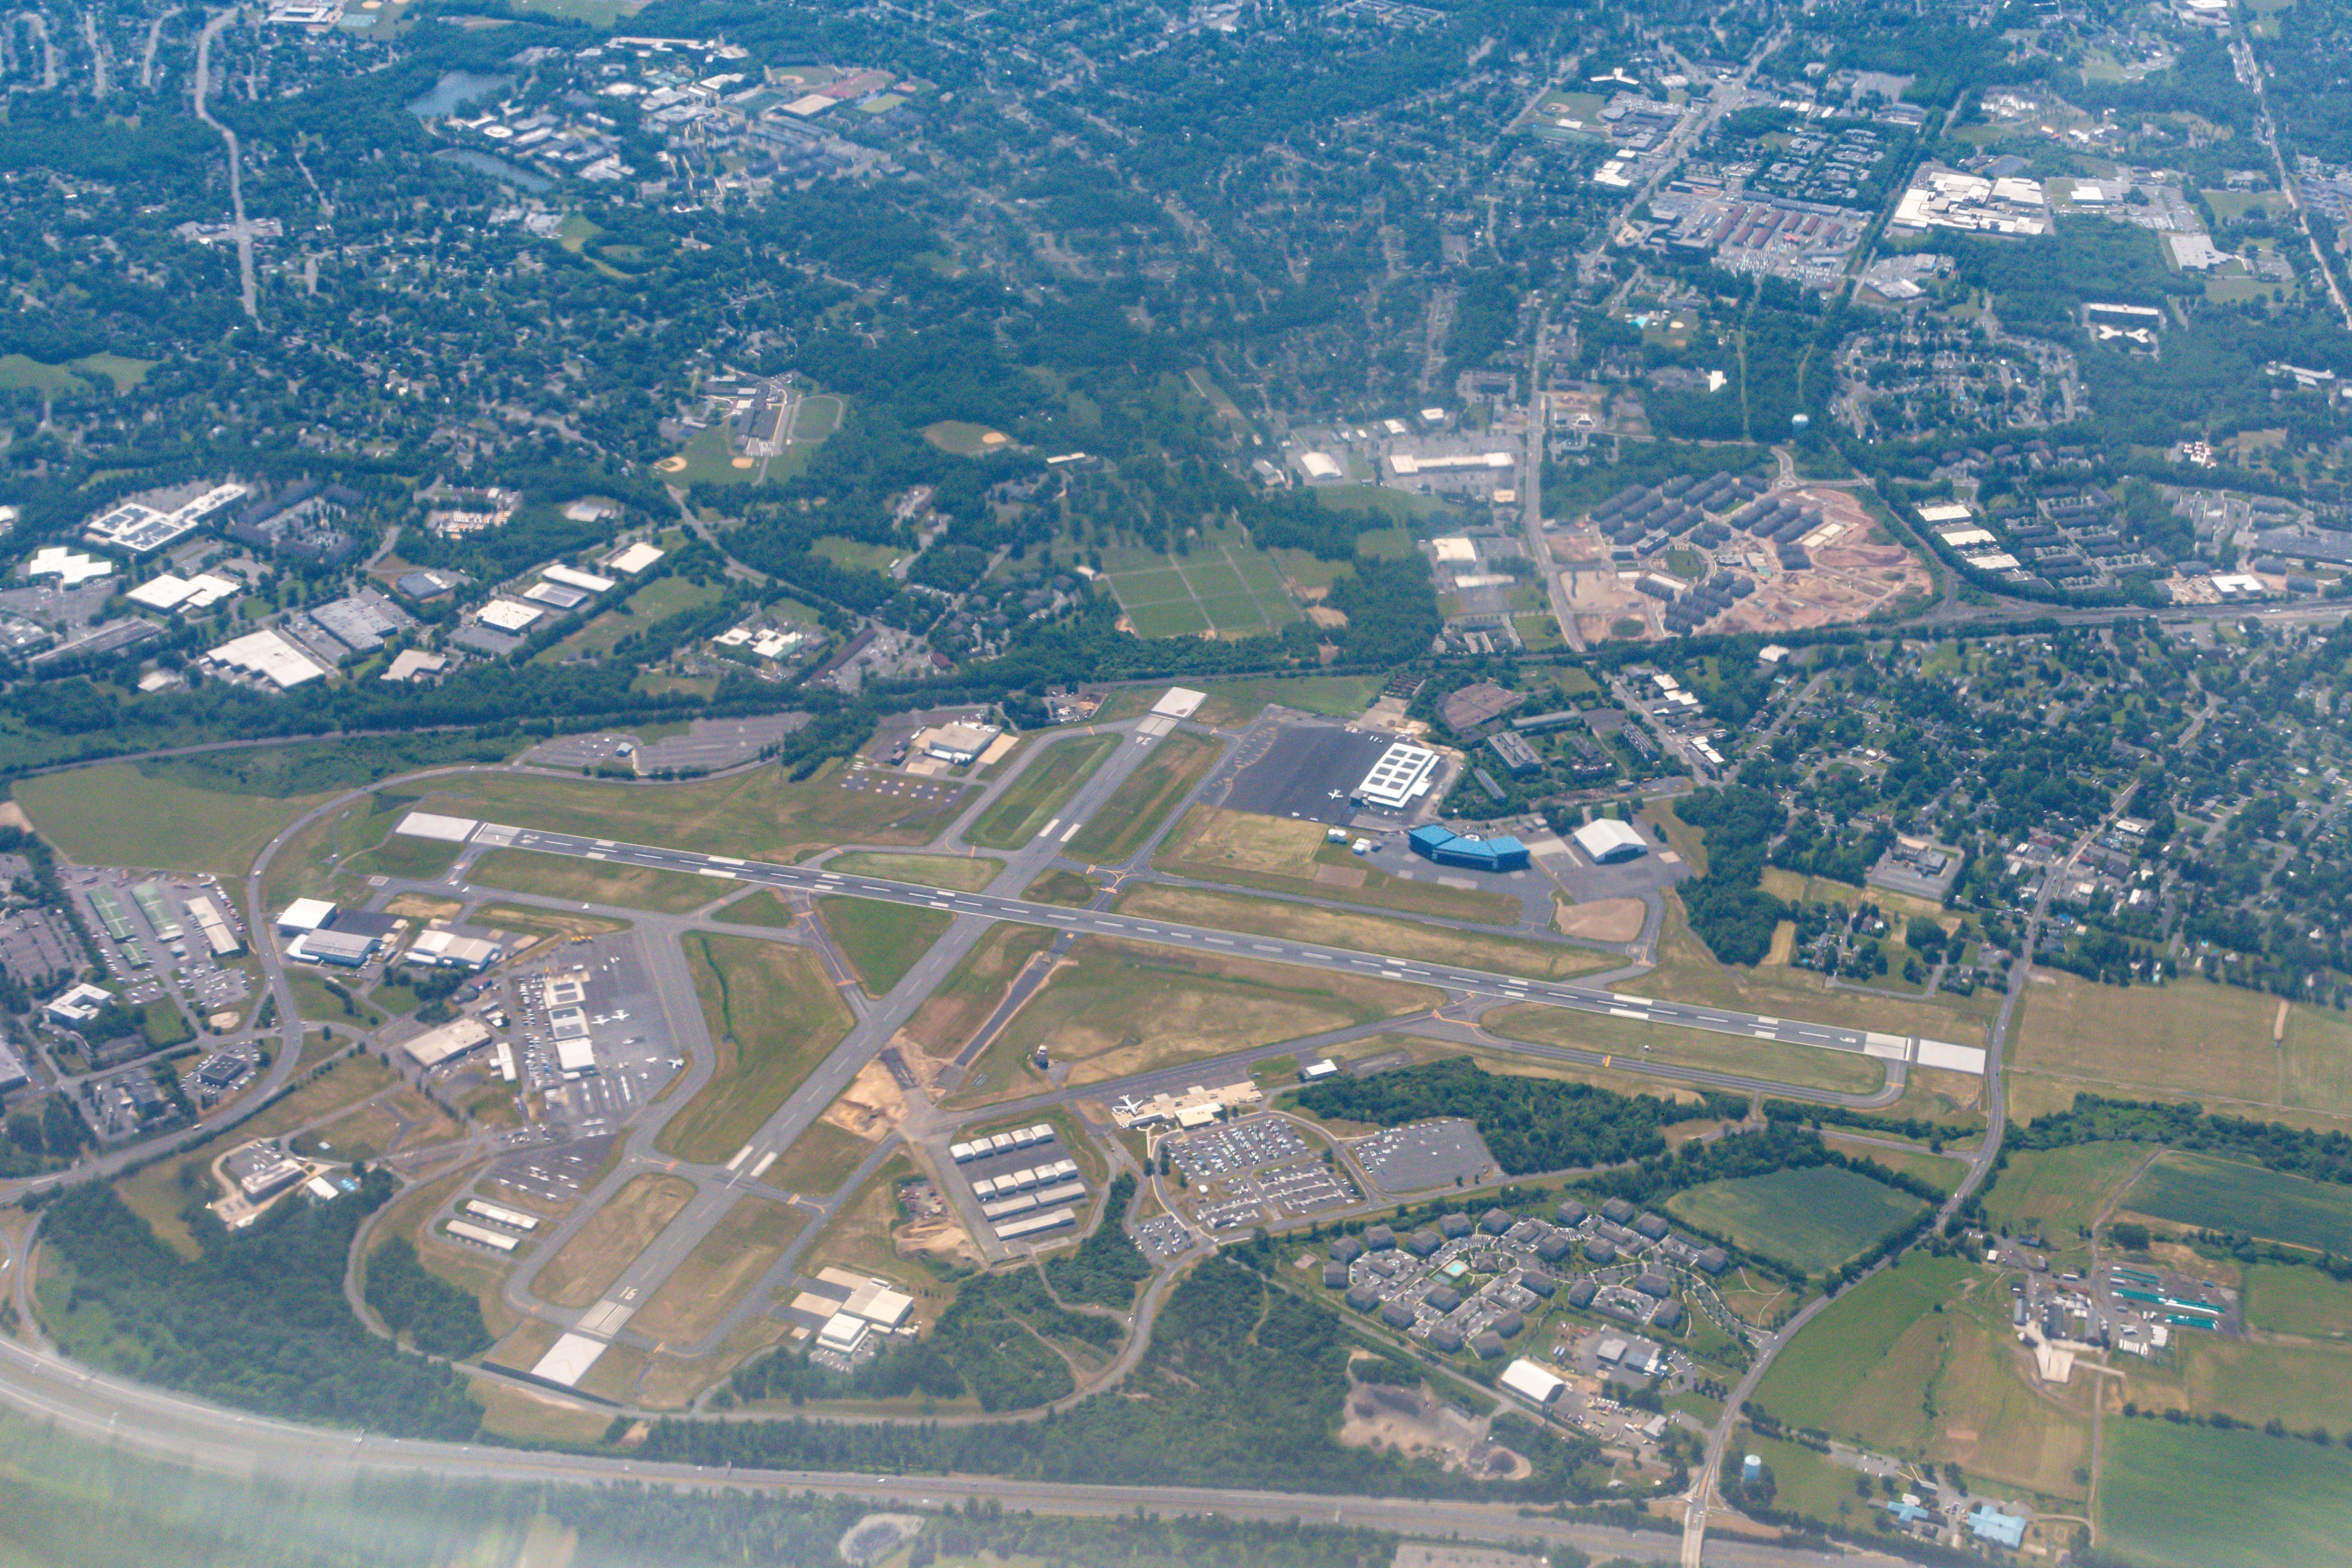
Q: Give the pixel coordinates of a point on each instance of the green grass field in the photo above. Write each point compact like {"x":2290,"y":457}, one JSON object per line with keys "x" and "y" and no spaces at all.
{"x":758,"y":813}
{"x":2221,"y":1194}
{"x":116,"y":814}
{"x":1815,"y":1218}
{"x":1136,"y":809}
{"x":657,"y":600}
{"x":882,"y":941}
{"x":773,"y":1015}
{"x":20,"y":372}
{"x":1332,"y":696}
{"x":966,"y":873}
{"x":1050,"y":779}
{"x":856,"y":554}
{"x":963,"y":437}
{"x":1856,"y":1368}
{"x":596,"y":881}
{"x":709,"y":460}
{"x":1226,"y":584}
{"x":2285,"y":1300}
{"x":2188,"y":1497}
{"x":2054,"y":1193}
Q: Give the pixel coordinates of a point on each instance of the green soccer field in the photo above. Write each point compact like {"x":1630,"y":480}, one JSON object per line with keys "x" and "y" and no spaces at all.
{"x":1226,"y":585}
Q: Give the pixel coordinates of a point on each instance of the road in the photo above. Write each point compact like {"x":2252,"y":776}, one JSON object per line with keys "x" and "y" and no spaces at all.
{"x":213,"y":29}
{"x":1980,"y":1169}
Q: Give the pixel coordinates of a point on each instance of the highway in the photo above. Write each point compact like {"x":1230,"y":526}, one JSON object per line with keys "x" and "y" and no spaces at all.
{"x":38,"y":1381}
{"x":1471,"y":984}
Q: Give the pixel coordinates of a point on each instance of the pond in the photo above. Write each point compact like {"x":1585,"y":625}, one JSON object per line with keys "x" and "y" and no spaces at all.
{"x":496,"y":168}
{"x":454,"y":92}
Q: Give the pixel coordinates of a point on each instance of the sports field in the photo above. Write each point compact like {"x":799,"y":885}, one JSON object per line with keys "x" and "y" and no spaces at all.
{"x":2188,"y":1497}
{"x":1225,"y":586}
{"x":1815,"y":1218}
{"x":2221,"y":1194}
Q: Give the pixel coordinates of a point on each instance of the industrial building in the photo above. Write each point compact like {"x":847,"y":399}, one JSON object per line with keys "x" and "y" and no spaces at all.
{"x":1532,"y":1383}
{"x":78,"y":1005}
{"x":454,"y":1038}
{"x":1609,"y":842}
{"x":1403,"y":774}
{"x":447,"y":950}
{"x":1447,"y":847}
{"x":140,"y":530}
{"x":343,"y":949}
{"x":262,"y":1171}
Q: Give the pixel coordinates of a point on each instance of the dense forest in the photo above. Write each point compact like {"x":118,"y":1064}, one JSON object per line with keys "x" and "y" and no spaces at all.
{"x":258,"y":1321}
{"x":1529,"y":1124}
{"x":437,"y":1317}
{"x":1107,"y":1266}
{"x":1728,"y":907}
{"x":1241,"y":1386}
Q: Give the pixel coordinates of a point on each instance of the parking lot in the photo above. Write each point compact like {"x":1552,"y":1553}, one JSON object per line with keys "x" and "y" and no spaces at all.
{"x":1235,"y":1147}
{"x":554,"y":1173}
{"x":635,"y":1055}
{"x":1308,"y":773}
{"x":1424,"y":1155}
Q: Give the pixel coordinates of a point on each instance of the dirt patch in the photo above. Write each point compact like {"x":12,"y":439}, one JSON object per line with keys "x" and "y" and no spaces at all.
{"x":1324,"y":614}
{"x":417,"y":906}
{"x":872,"y":1107}
{"x":1415,"y":1423}
{"x":1609,"y":920}
{"x":942,"y":1239}
{"x":12,"y":815}
{"x":1339,"y":876}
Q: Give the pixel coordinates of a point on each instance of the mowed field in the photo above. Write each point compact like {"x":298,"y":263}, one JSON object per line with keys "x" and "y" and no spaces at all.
{"x":596,"y":881}
{"x":1362,"y":932}
{"x":1816,"y":1218}
{"x":612,"y":1238}
{"x":2283,"y":1300}
{"x":114,"y":815}
{"x":1636,"y":1039}
{"x":1872,"y":1367}
{"x":882,"y":941}
{"x":1115,"y":1008}
{"x":2189,"y":1037}
{"x":2055,"y":1193}
{"x":1052,"y":776}
{"x":1226,"y":587}
{"x":1687,"y":971}
{"x":967,"y":873}
{"x":757,"y":814}
{"x":2224,"y":1195}
{"x":701,"y":1292}
{"x":1124,"y":823}
{"x":1283,"y":855}
{"x":2188,"y":1497}
{"x":1855,"y":1371}
{"x":950,"y":1015}
{"x":773,"y":1015}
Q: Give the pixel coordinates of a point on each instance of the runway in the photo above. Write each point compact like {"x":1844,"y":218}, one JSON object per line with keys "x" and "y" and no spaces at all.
{"x":1470,"y":983}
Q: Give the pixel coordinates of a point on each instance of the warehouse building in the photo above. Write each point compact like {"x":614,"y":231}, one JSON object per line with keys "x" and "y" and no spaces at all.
{"x":1609,"y":842}
{"x":1403,"y":774}
{"x":1447,"y":847}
